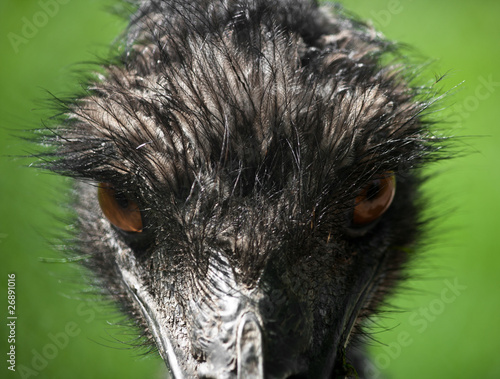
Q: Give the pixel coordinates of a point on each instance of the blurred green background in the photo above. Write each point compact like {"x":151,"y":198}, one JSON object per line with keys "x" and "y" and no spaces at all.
{"x":448,"y":323}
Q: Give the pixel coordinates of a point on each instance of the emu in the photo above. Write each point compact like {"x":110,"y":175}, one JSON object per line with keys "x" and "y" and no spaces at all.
{"x":248,"y":178}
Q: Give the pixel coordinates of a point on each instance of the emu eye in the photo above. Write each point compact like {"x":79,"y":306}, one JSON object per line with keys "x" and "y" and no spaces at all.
{"x":118,"y":209}
{"x":374,"y":199}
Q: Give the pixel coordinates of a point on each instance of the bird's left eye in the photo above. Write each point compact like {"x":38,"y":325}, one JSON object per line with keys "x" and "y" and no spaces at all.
{"x":121,"y":211}
{"x":374,"y":199}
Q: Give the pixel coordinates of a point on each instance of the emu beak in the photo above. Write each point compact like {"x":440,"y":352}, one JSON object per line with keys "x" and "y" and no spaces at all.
{"x":249,"y":351}
{"x":229,"y":331}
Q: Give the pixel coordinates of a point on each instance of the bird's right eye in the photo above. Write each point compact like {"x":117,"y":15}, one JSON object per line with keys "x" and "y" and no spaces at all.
{"x":121,"y":211}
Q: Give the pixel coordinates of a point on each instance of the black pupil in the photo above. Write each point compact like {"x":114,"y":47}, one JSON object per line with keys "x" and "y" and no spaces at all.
{"x":373,"y":190}
{"x":121,"y":200}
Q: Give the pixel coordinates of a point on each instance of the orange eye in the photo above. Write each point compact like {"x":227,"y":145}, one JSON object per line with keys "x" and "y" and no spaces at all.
{"x":118,"y":209}
{"x":374,"y":199}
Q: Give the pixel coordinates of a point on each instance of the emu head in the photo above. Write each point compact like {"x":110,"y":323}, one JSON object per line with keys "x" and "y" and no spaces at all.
{"x":237,"y":171}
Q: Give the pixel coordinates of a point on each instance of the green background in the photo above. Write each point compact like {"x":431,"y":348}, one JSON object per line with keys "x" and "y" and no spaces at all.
{"x":435,"y":333}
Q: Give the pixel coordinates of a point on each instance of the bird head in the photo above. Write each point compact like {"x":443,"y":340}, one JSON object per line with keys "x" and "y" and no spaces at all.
{"x":241,"y":191}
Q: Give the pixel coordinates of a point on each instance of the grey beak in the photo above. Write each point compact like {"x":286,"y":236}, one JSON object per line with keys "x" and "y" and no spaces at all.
{"x":249,"y":348}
